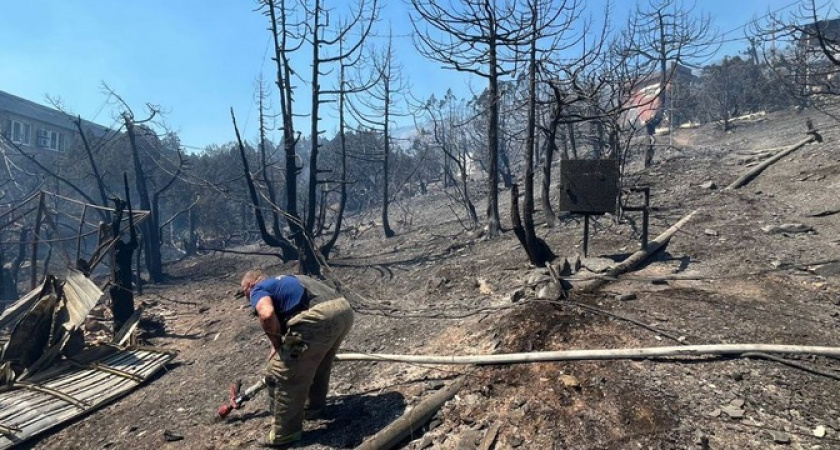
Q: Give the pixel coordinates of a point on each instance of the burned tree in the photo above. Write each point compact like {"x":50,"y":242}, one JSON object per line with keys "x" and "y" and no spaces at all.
{"x":544,"y":22}
{"x":450,"y":138}
{"x":291,"y":29}
{"x":381,"y":105}
{"x":346,"y":88}
{"x":473,"y":37}
{"x":668,"y":34}
{"x":121,"y":291}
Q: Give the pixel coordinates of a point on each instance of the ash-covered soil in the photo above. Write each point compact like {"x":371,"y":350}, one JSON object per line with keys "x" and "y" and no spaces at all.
{"x":437,"y":289}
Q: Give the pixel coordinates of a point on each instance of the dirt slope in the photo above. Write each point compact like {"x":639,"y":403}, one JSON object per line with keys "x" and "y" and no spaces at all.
{"x":748,"y":286}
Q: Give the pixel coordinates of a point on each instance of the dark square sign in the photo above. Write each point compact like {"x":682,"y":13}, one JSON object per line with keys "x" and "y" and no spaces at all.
{"x":589,"y":186}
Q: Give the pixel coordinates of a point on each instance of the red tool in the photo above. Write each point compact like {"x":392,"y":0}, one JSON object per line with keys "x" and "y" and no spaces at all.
{"x":239,"y":397}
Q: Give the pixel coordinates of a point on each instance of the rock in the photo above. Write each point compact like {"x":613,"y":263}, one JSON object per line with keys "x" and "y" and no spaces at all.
{"x":426,"y":442}
{"x":516,"y":295}
{"x":710,"y":232}
{"x":537,"y":276}
{"x":701,"y":440}
{"x":709,"y":185}
{"x":733,"y":412}
{"x":172,"y":436}
{"x":738,"y":403}
{"x":787,"y":228}
{"x":819,"y":431}
{"x":715,"y":413}
{"x":550,"y":291}
{"x":825,"y":270}
{"x":515,"y":441}
{"x":469,"y":440}
{"x":437,"y":282}
{"x":625,"y":297}
{"x":434,"y":423}
{"x":570,"y":381}
{"x":471,"y":399}
{"x":597,"y":265}
{"x":779,"y":437}
{"x":737,"y":376}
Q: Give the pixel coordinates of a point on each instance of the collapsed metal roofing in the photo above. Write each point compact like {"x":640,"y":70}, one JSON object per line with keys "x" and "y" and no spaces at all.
{"x":44,"y":380}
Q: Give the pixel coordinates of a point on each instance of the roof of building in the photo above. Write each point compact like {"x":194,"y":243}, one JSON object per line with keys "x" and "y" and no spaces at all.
{"x":26,"y":108}
{"x":829,"y":29}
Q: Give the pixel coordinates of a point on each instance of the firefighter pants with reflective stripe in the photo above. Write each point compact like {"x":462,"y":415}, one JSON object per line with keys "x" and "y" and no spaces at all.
{"x":301,"y":370}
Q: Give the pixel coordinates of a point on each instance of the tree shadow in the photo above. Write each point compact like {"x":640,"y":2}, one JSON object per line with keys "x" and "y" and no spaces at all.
{"x":661,"y":256}
{"x":349,"y":419}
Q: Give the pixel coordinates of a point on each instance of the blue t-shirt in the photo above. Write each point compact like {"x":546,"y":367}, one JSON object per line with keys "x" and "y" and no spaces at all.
{"x":286,"y":292}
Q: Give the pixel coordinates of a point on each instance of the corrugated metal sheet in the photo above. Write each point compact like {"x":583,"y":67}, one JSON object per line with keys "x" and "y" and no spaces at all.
{"x":44,"y":318}
{"x":82,"y":295}
{"x":80,"y":292}
{"x":96,"y":377}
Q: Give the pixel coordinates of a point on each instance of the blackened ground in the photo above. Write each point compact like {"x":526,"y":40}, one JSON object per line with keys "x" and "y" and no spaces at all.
{"x":414,"y":292}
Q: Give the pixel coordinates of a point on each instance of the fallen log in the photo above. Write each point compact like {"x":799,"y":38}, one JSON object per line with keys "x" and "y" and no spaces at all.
{"x":393,"y":434}
{"x":755,"y":171}
{"x":603,"y":354}
{"x":636,"y":258}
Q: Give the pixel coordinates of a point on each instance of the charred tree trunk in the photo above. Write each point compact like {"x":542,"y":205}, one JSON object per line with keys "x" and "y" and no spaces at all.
{"x":548,"y":158}
{"x":280,"y":34}
{"x":493,"y":222}
{"x":326,"y":249}
{"x":100,"y":185}
{"x":121,"y":292}
{"x":539,"y":253}
{"x":386,"y":226}
{"x":311,"y":206}
{"x":151,"y":238}
{"x":10,"y":276}
{"x":266,"y":179}
{"x":287,"y":251}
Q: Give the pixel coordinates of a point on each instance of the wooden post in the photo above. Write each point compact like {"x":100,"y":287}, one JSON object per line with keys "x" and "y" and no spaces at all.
{"x":35,"y":238}
{"x":81,"y":225}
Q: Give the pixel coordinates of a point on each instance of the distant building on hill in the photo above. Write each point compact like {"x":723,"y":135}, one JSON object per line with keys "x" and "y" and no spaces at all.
{"x":645,"y":105}
{"x":39,"y":128}
{"x":828,"y":30}
{"x":817,"y":44}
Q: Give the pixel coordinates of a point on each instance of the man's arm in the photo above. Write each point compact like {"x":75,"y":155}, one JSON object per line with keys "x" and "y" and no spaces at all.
{"x":270,"y":323}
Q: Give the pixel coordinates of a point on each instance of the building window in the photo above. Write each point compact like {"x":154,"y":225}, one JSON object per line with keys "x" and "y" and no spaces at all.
{"x":21,"y":132}
{"x":51,"y":140}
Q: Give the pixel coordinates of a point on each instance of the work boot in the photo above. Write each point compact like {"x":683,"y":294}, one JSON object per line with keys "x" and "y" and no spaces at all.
{"x":312,"y":414}
{"x":273,"y":441}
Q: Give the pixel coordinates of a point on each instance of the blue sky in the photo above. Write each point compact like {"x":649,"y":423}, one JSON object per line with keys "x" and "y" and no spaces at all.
{"x":198,"y":58}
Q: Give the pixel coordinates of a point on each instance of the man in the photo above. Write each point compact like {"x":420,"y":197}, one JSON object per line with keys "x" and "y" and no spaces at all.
{"x":305,"y":336}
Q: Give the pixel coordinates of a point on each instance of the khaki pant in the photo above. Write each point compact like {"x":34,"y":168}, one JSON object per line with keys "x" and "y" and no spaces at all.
{"x":301,"y":370}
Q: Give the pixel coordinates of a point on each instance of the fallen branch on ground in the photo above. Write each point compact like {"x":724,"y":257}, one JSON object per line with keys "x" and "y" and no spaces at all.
{"x":401,"y":428}
{"x":755,"y":171}
{"x":636,"y":258}
{"x":604,"y":354}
